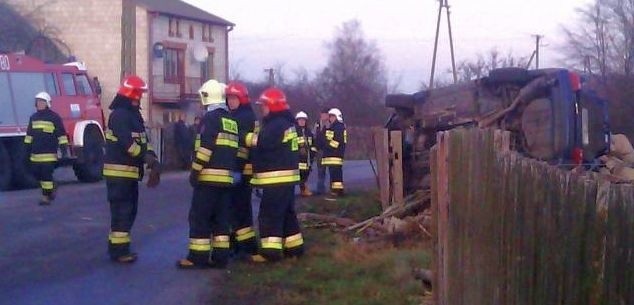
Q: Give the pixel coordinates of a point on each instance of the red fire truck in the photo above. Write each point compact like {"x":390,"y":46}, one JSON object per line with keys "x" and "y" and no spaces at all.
{"x":75,"y":97}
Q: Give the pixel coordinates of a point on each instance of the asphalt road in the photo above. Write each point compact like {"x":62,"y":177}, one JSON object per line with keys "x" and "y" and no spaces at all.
{"x":57,"y":254}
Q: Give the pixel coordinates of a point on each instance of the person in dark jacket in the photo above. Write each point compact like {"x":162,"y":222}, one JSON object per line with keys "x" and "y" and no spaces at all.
{"x":319,"y":131}
{"x":213,"y":174}
{"x":241,"y":210}
{"x":275,"y":170}
{"x":334,"y":150}
{"x":44,"y":136}
{"x":127,"y":149}
{"x":183,"y":140}
{"x":306,"y":151}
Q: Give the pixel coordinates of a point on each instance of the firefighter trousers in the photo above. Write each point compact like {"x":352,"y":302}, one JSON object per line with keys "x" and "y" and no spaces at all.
{"x":279,"y":228}
{"x":123,"y":195}
{"x":43,"y":172}
{"x":336,"y":179}
{"x":242,"y":218}
{"x":209,"y":215}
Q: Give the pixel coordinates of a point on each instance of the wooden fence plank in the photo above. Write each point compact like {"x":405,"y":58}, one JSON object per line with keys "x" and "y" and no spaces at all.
{"x":510,"y":230}
{"x":381,"y":147}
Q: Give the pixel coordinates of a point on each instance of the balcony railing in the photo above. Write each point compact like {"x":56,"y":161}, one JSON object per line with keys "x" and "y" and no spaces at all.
{"x":184,"y":90}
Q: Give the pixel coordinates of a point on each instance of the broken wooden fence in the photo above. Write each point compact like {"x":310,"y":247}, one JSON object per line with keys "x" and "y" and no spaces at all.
{"x":510,"y":230}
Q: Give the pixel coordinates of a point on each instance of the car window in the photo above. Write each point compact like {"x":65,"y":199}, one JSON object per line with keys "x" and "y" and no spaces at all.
{"x":6,"y":114}
{"x":51,"y":84}
{"x":25,"y":86}
{"x":69,"y":85}
{"x":83,"y":85}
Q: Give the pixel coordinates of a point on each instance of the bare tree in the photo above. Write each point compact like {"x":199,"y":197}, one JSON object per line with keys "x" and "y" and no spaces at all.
{"x":602,"y":41}
{"x":354,"y":78}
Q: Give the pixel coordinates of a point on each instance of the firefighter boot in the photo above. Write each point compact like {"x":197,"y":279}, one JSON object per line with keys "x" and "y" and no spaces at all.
{"x":45,"y":200}
{"x":305,"y":192}
{"x":125,"y":259}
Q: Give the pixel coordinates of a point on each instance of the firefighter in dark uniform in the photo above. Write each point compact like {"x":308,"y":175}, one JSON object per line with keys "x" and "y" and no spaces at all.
{"x":307,"y":150}
{"x":127,"y":149}
{"x":213,"y":174}
{"x":44,"y":136}
{"x":241,"y":211}
{"x":275,"y":170}
{"x":334,"y":150}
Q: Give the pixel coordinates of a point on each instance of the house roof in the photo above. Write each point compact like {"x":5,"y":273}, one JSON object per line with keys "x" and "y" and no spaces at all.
{"x":182,"y":9}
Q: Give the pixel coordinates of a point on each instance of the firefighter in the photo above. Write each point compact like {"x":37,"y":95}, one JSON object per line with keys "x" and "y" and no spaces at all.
{"x":306,"y":151}
{"x":127,"y":149}
{"x":212,"y":176}
{"x":275,"y":170}
{"x":334,"y":149}
{"x":242,"y":217}
{"x":44,"y":136}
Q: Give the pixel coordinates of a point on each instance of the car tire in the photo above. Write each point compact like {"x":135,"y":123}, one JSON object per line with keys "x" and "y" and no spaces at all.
{"x":509,"y":75}
{"x":89,"y":164}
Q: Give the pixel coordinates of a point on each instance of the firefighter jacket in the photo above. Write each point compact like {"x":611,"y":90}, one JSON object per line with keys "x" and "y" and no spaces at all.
{"x":45,"y":134}
{"x":275,"y":151}
{"x":307,"y":148}
{"x":215,"y":159}
{"x":126,"y":141}
{"x":247,"y":122}
{"x":334,"y":140}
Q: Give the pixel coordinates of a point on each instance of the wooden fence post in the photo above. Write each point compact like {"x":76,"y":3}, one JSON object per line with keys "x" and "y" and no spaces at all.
{"x":381,"y":147}
{"x":396,"y":167}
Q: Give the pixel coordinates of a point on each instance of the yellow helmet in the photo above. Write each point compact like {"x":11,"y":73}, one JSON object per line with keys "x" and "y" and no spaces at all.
{"x":212,"y":92}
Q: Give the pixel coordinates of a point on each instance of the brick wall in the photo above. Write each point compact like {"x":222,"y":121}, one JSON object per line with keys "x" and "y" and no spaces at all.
{"x":90,"y":28}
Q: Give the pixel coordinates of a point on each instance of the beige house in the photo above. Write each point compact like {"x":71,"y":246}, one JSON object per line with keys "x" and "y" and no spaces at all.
{"x":171,"y":44}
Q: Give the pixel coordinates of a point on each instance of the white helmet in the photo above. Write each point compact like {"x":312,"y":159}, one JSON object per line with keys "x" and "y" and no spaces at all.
{"x":301,"y":115}
{"x":337,"y":113}
{"x":44,"y":96}
{"x":212,"y":92}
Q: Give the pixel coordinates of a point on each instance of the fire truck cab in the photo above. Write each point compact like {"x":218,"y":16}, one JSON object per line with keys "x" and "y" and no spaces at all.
{"x":75,"y":97}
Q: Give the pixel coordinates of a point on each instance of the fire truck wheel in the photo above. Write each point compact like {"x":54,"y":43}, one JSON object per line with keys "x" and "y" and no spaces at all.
{"x":5,"y":168}
{"x":89,"y":165}
{"x":22,"y":177}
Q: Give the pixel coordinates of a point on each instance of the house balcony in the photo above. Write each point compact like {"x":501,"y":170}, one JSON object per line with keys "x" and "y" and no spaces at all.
{"x":182,"y":90}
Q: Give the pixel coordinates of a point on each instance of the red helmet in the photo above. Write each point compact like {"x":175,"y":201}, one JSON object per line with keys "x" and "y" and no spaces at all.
{"x":133,"y":87}
{"x":274,"y":99}
{"x":238,"y":89}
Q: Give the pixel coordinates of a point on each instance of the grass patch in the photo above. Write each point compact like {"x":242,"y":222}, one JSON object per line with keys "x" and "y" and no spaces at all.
{"x":357,"y":205}
{"x":335,"y":270}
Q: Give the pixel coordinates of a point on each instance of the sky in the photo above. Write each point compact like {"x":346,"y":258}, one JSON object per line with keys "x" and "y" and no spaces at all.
{"x":293,"y":33}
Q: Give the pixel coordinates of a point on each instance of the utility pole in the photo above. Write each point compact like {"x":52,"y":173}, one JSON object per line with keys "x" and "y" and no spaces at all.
{"x":271,"y":73}
{"x":443,"y":4}
{"x":537,"y":39}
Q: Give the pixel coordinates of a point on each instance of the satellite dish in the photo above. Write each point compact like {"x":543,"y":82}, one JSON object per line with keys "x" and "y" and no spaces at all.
{"x":200,"y":53}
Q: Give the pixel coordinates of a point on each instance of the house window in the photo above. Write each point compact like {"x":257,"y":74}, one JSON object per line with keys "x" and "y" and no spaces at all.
{"x":191,"y":31}
{"x":173,"y":66}
{"x":207,"y":68}
{"x":207,"y":33}
{"x":174,"y":28}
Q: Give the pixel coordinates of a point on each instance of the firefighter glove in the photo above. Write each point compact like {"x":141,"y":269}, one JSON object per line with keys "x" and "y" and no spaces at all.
{"x":154,"y":177}
{"x":237,"y":177}
{"x":151,"y":161}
